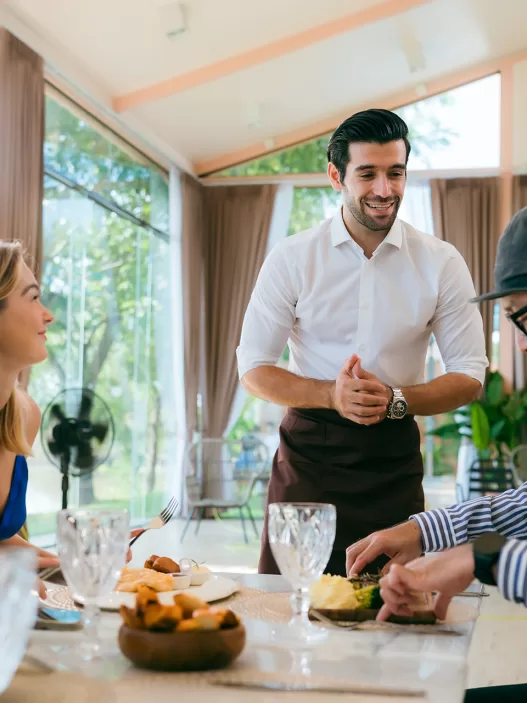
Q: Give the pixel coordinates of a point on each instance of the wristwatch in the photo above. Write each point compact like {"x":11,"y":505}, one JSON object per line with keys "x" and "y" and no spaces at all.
{"x":398,"y":406}
{"x":486,"y":549}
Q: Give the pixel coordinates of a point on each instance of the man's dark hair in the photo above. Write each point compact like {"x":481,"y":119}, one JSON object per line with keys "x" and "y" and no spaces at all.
{"x":371,"y":126}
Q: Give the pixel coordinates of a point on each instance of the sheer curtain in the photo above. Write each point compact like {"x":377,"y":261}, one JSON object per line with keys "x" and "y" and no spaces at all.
{"x":178,"y":339}
{"x":416,"y":208}
{"x":278,"y":230}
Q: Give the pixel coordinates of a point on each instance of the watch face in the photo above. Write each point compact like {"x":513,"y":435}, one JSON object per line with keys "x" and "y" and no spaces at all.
{"x":399,"y":408}
{"x":489,"y":543}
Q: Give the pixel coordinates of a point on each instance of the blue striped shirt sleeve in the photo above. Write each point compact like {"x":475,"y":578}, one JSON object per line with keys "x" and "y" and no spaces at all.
{"x":505,"y":513}
{"x":512,"y":571}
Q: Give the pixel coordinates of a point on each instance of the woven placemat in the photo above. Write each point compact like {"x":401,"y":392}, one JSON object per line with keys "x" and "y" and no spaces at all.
{"x":271,"y":607}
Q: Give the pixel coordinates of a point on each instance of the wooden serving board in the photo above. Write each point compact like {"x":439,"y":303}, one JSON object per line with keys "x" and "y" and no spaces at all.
{"x":422,"y":617}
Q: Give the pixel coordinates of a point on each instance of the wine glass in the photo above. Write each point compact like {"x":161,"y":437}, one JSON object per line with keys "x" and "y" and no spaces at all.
{"x":18,"y":607}
{"x":301,"y":537}
{"x":92,"y":547}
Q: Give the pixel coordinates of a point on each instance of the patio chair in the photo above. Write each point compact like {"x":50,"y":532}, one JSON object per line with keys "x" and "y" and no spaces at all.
{"x":221,"y":475}
{"x":490,"y":477}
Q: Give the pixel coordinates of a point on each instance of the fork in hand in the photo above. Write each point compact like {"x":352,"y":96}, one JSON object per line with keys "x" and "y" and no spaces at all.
{"x":161,"y":520}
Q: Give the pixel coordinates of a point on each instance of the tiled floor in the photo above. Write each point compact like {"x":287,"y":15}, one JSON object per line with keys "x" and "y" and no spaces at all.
{"x":219,"y":543}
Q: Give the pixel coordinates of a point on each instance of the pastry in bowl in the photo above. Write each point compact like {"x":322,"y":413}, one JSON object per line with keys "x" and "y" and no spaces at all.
{"x":187,"y":635}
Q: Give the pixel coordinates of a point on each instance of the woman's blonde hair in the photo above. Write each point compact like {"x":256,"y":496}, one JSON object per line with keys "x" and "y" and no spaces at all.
{"x":12,"y":415}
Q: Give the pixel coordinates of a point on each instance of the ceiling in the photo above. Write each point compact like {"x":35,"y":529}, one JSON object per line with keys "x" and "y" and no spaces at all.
{"x":248,"y":76}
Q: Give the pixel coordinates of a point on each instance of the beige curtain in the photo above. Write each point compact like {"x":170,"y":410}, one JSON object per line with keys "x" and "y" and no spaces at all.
{"x":192,"y":197}
{"x":466,"y":214}
{"x":237,"y":226}
{"x":21,"y":152}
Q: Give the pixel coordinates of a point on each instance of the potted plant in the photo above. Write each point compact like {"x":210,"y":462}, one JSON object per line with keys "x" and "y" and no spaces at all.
{"x":489,"y":427}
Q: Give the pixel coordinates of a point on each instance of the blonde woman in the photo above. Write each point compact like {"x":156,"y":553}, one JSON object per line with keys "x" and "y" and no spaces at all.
{"x":23,"y":323}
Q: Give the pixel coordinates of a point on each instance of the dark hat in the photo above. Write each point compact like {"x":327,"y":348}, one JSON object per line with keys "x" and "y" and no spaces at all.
{"x":510,"y":271}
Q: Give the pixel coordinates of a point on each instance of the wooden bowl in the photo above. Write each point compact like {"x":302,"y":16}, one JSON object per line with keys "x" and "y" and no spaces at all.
{"x":182,"y":651}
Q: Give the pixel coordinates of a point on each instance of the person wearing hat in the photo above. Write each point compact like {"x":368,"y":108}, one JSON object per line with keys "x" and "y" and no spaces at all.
{"x":485,"y":538}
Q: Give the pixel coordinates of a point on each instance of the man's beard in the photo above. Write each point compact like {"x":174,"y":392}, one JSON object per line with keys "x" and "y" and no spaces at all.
{"x":357,"y":210}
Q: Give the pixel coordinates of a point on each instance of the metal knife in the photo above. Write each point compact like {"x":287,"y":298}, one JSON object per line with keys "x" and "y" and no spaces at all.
{"x":312,"y":687}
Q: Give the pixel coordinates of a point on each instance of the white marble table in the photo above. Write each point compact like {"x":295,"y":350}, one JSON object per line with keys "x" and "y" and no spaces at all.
{"x":436,"y":663}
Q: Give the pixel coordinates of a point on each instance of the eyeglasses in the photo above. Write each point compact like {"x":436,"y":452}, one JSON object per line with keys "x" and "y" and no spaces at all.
{"x":515,"y":318}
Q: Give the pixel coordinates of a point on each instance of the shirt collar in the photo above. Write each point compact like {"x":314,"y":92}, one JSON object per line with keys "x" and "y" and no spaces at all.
{"x":340,"y":234}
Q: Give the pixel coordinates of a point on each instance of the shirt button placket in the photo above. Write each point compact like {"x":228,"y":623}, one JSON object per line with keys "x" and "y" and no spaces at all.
{"x":365,"y":304}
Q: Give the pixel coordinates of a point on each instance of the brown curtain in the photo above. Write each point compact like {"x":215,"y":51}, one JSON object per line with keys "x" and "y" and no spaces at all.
{"x":21,"y":140}
{"x":519,"y":201}
{"x":519,"y":192}
{"x":237,"y":222}
{"x":466,"y":214}
{"x":21,"y":152}
{"x":192,"y":197}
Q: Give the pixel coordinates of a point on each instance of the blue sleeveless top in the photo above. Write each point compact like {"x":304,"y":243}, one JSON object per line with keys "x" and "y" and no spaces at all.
{"x":14,"y":515}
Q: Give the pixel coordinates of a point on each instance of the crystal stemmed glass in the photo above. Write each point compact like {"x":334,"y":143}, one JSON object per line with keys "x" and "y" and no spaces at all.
{"x":301,"y":537}
{"x":92,"y":547}
{"x":18,"y":607}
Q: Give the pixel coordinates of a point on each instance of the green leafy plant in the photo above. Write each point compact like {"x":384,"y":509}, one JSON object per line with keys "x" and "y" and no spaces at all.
{"x":493,"y":422}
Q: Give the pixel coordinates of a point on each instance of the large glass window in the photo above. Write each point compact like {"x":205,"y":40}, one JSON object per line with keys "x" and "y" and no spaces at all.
{"x":446,"y":132}
{"x":106,"y":278}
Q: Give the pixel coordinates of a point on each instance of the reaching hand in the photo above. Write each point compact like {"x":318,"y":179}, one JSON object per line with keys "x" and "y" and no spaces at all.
{"x":133,"y":533}
{"x":42,"y":589}
{"x":360,"y":396}
{"x":46,"y":562}
{"x":449,"y":573}
{"x":402,"y":543}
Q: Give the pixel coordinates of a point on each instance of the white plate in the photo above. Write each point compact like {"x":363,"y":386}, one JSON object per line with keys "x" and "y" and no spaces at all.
{"x":216,"y":588}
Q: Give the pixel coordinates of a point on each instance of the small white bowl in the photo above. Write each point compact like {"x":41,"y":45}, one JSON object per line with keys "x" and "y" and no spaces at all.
{"x":181,"y":581}
{"x":198,"y":578}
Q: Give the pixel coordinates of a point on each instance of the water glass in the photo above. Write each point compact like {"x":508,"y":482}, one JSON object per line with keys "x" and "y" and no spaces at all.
{"x":92,"y":547}
{"x":18,"y":607}
{"x":301,"y":537}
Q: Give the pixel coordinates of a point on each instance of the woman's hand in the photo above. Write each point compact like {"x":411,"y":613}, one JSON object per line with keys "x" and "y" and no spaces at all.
{"x":133,"y":533}
{"x":45,"y":562}
{"x":42,"y":589}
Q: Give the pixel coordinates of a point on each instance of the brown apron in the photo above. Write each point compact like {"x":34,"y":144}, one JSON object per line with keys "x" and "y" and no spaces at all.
{"x":372,"y":474}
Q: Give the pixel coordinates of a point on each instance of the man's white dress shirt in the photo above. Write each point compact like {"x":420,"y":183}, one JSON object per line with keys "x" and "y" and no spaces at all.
{"x":319,"y":293}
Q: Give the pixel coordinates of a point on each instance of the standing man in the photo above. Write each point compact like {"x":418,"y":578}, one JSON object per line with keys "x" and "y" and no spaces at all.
{"x":357,"y":299}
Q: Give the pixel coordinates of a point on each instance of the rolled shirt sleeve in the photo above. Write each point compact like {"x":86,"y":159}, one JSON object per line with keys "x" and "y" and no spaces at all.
{"x":505,"y":513}
{"x":457,"y":323}
{"x":512,"y":571}
{"x":270,"y":315}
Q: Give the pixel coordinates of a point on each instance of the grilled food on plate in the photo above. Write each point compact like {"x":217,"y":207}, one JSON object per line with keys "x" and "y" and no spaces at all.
{"x":132,"y":579}
{"x":356,"y":593}
{"x":163,"y":564}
